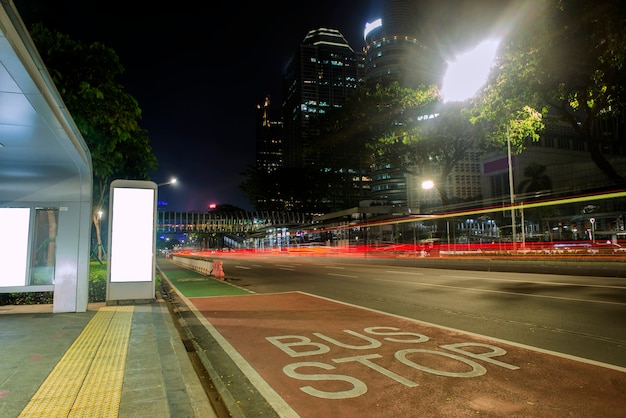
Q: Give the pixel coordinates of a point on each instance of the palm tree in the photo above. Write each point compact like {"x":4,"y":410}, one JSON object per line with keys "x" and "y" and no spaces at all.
{"x":536,"y":179}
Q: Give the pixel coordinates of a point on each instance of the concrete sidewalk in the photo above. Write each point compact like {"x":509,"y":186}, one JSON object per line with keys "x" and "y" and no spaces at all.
{"x":111,"y":361}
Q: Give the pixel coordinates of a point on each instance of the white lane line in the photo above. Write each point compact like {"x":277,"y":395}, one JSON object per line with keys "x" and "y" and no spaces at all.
{"x":535,"y":282}
{"x":243,"y":267}
{"x":502,"y":292}
{"x":274,"y":399}
{"x":334,"y":267}
{"x":409,"y":273}
{"x":342,"y":275}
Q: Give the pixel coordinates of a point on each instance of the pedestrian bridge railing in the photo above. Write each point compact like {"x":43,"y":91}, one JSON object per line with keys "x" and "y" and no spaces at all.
{"x":226,"y":222}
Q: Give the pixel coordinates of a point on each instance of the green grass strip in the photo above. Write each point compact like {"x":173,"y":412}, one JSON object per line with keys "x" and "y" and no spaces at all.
{"x":193,"y":284}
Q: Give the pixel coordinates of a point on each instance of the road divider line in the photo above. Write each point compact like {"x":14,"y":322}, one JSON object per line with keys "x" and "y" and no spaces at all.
{"x":534,"y":282}
{"x":404,"y":272}
{"x":503,"y":292}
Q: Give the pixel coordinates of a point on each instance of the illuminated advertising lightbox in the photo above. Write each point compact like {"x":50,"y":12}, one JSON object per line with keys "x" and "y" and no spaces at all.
{"x":14,"y":224}
{"x":132,"y":232}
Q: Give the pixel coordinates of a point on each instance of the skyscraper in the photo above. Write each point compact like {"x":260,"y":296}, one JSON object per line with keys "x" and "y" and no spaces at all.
{"x":269,"y":139}
{"x":394,"y":50}
{"x":323,"y":72}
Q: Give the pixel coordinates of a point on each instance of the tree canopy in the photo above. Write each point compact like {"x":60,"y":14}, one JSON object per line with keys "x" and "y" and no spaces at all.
{"x":563,"y":61}
{"x":408,"y":129}
{"x":107,"y":116}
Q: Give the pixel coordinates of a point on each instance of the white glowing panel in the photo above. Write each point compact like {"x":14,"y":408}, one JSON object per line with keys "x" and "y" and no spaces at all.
{"x":132,"y":235}
{"x":14,"y":223}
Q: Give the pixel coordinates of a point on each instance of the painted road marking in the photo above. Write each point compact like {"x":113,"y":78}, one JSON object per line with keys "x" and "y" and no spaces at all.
{"x":343,"y":275}
{"x":298,"y":346}
{"x":472,"y":289}
{"x":334,"y":358}
{"x":549,"y":283}
{"x":404,"y":272}
{"x":287,"y":267}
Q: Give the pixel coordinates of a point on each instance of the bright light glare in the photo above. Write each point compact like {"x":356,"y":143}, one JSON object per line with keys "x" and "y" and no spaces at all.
{"x":427,"y":184}
{"x":469,"y":72}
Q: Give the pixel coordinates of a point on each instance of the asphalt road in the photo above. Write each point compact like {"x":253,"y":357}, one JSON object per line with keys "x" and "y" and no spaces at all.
{"x":580,"y":315}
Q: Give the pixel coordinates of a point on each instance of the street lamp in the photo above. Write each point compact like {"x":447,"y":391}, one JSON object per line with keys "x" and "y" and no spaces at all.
{"x":173,"y":180}
{"x":427,"y":184}
{"x":511,"y":190}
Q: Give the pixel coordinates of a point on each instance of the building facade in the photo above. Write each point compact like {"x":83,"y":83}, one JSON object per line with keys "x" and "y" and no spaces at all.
{"x":269,"y":139}
{"x":322,"y":74}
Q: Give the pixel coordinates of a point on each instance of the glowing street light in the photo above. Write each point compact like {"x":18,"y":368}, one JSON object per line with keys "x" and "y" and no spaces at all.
{"x":173,"y":180}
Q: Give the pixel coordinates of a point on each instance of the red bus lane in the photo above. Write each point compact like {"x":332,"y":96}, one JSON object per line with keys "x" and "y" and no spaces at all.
{"x":326,"y":358}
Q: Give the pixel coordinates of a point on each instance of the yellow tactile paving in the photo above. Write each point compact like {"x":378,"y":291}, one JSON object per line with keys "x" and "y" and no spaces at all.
{"x":87,"y":381}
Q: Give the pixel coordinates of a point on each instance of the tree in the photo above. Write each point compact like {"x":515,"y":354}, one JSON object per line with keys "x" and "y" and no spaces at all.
{"x":564,"y":60}
{"x":442,"y":142}
{"x":107,"y":116}
{"x":535,"y":179}
{"x":288,"y":189}
{"x":405,"y":128}
{"x":385,"y":121}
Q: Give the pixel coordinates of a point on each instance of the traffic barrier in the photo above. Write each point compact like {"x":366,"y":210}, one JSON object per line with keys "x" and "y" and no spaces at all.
{"x":202,"y":266}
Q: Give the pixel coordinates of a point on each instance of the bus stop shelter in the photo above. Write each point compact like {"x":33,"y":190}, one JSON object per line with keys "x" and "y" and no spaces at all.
{"x":45,"y":178}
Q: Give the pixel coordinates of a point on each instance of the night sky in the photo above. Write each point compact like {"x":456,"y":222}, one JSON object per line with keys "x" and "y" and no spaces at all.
{"x":198,"y":71}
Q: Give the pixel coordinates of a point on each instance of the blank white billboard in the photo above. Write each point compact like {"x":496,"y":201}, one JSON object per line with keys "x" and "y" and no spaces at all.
{"x":132,"y":246}
{"x":14,"y":224}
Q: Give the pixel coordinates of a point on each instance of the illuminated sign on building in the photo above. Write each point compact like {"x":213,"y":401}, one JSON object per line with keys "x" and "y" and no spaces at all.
{"x":371,"y":26}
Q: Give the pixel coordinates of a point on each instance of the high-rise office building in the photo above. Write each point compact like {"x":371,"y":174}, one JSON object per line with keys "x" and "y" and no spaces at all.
{"x":394,"y":49}
{"x":269,"y":150}
{"x":269,"y":138}
{"x":324,"y":71}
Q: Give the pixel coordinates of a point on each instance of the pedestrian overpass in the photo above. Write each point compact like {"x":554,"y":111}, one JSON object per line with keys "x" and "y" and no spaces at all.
{"x":227,"y":222}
